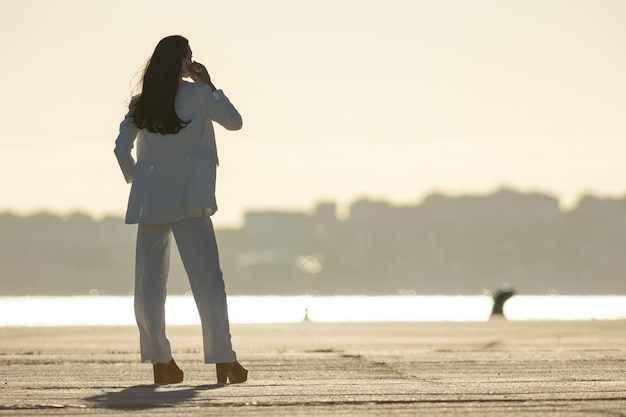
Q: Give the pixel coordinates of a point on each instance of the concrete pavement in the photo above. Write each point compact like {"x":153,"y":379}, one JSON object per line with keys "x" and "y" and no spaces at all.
{"x":347,"y":369}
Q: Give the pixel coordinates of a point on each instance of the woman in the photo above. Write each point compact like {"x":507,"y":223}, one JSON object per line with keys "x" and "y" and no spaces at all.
{"x":169,"y":119}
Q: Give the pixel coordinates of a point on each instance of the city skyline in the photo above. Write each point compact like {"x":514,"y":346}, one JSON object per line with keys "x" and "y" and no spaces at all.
{"x":446,"y":245}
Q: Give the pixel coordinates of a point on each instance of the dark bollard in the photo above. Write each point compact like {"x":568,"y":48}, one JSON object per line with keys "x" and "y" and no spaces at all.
{"x":499,"y":298}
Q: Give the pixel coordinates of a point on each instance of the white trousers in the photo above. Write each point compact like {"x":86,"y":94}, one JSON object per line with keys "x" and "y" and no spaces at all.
{"x":196,"y":243}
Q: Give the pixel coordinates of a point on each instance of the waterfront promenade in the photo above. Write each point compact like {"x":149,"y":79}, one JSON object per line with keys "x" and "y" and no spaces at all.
{"x":490,"y":368}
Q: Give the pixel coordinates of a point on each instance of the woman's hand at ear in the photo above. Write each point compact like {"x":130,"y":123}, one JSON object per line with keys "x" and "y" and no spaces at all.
{"x":199,"y":74}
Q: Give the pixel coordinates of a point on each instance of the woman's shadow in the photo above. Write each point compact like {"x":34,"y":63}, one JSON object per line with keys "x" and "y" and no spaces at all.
{"x":148,"y":396}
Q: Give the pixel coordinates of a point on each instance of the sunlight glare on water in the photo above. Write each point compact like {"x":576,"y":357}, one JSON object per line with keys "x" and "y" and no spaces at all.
{"x":181,"y":310}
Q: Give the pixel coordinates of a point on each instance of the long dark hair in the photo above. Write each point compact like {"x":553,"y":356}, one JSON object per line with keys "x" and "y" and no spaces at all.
{"x":154,"y":108}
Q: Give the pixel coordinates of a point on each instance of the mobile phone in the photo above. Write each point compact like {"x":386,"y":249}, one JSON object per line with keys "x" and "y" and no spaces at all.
{"x":186,"y":64}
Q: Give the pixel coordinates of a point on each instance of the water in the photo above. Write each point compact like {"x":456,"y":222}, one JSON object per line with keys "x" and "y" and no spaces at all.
{"x":104,"y":310}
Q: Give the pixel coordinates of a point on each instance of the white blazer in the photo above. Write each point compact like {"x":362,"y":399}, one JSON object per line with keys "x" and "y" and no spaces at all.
{"x":160,"y":174}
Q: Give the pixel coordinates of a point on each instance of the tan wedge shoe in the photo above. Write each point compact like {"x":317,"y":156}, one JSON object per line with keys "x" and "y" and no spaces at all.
{"x":167,"y":373}
{"x":233,"y":371}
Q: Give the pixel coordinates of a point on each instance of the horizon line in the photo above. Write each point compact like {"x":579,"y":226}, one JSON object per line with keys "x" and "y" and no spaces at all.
{"x":286,"y":208}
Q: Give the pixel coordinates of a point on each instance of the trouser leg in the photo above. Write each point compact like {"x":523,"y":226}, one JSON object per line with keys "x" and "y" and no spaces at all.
{"x":198,"y":249}
{"x":151,"y":269}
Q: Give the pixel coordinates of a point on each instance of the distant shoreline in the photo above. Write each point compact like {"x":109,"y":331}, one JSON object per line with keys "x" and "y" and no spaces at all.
{"x":442,"y":245}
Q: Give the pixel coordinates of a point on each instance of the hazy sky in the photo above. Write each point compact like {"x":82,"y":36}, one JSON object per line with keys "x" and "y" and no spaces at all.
{"x":340,"y":98}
